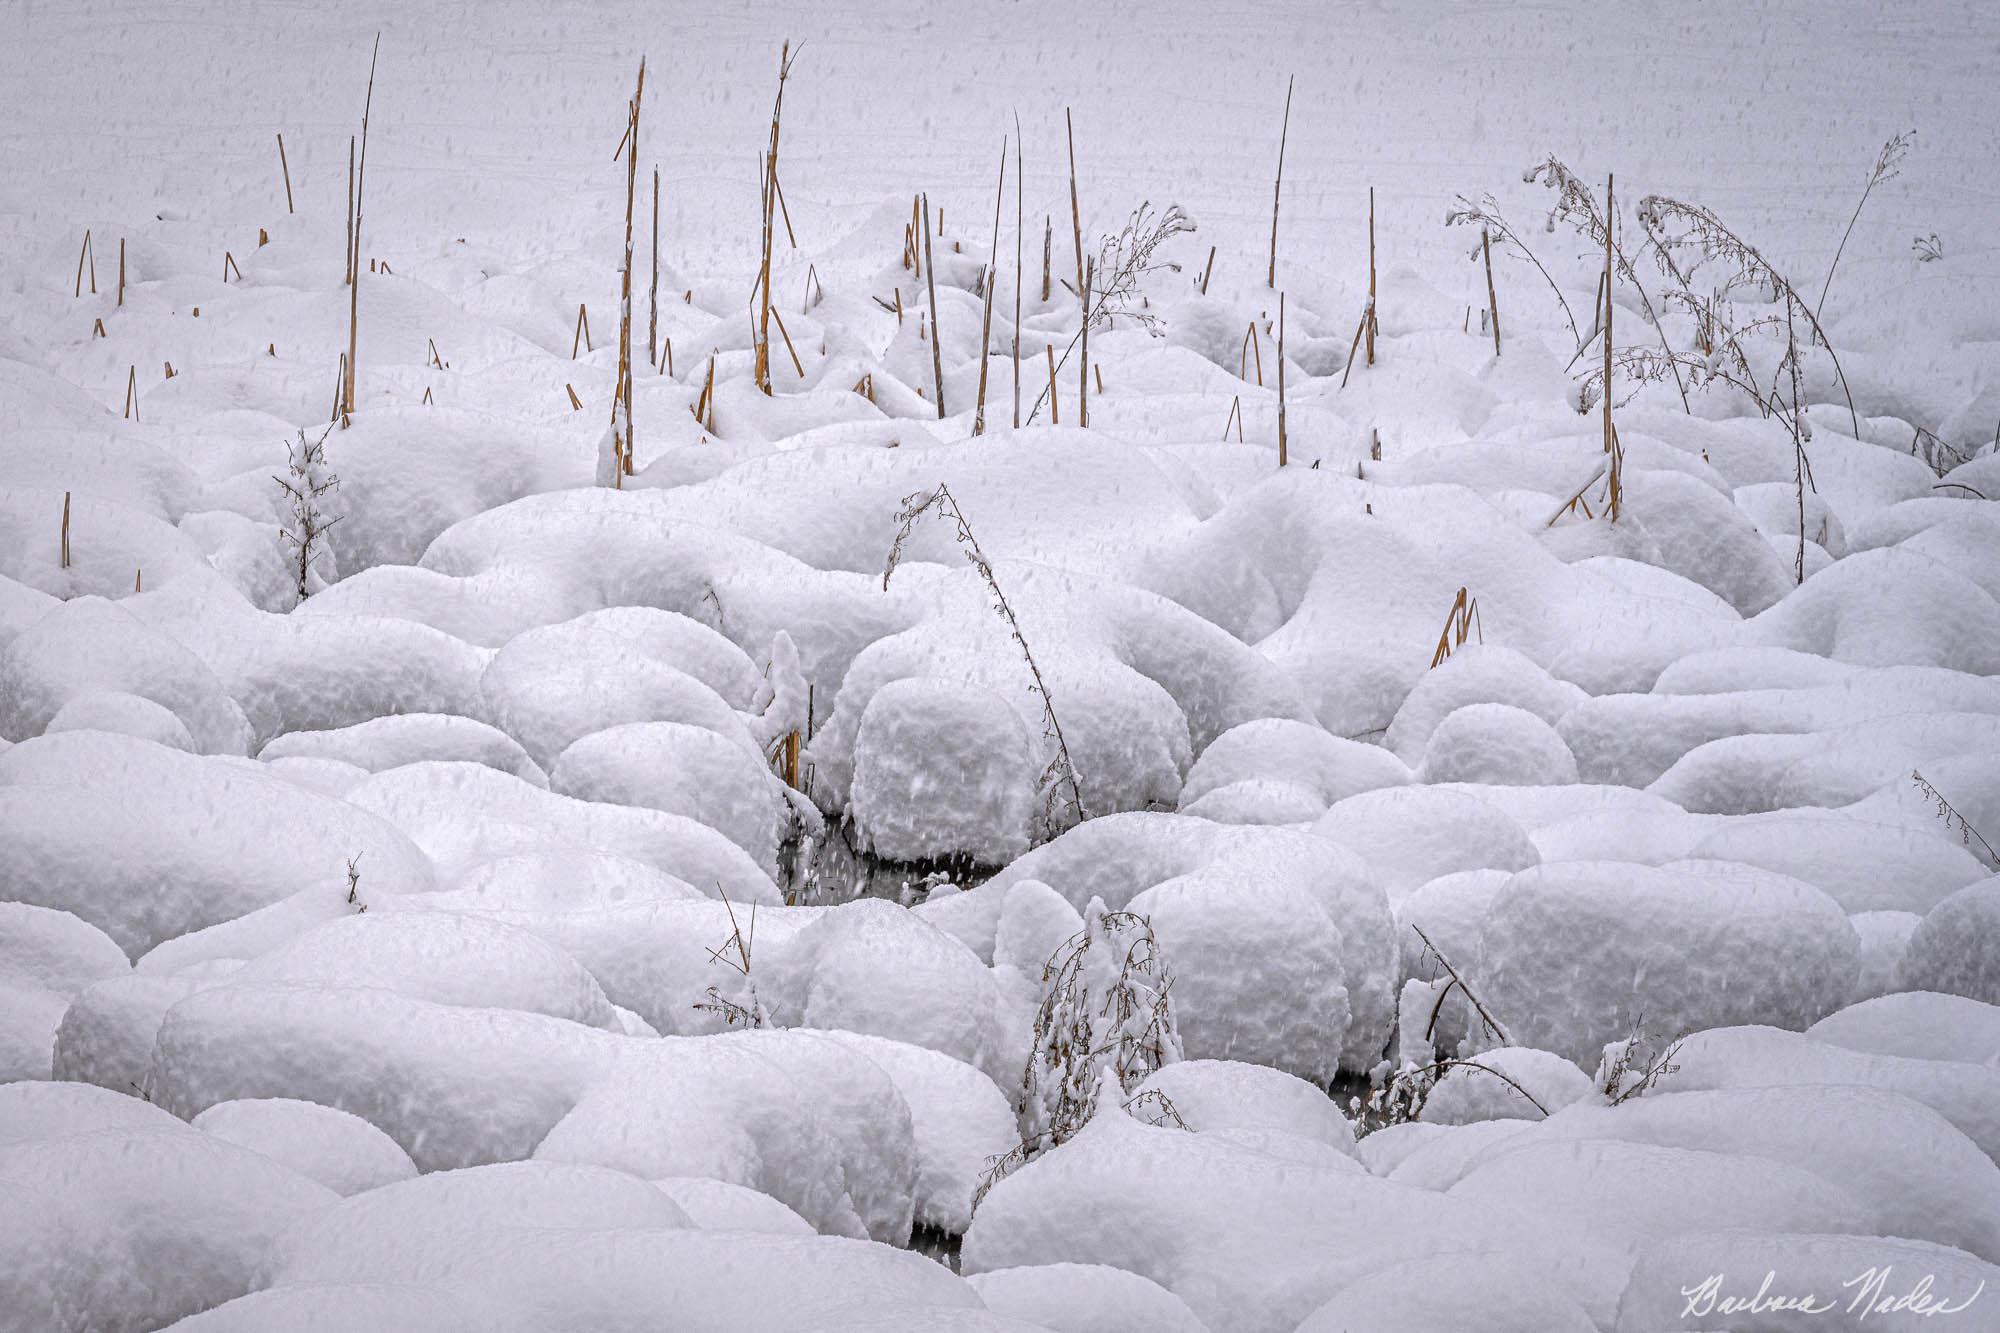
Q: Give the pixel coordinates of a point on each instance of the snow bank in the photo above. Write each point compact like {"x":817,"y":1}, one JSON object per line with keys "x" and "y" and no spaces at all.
{"x":1956,"y":948}
{"x":1923,"y":1025}
{"x":1497,"y":743}
{"x":1460,"y":1290}
{"x":1085,"y":1298}
{"x":413,"y":738}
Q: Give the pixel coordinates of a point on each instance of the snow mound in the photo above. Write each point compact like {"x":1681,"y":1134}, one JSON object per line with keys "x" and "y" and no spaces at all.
{"x":1225,"y":1094}
{"x":717,"y":1205}
{"x":130,"y":1227}
{"x":203,"y":839}
{"x":1574,"y":955}
{"x":1497,"y":743}
{"x":124,"y":715}
{"x":1262,"y":770}
{"x":1085,"y":1298}
{"x":1863,"y":865}
{"x":1753,"y":1057}
{"x":1501,"y":1086}
{"x":944,"y":770}
{"x":1922,"y":1025}
{"x":462,"y":814}
{"x":681,"y":769}
{"x":1411,"y":835}
{"x":1451,"y":1291}
{"x":342,"y":1152}
{"x":413,"y":738}
{"x":1886,"y":608}
{"x":791,"y":1114}
{"x":55,"y":950}
{"x":92,"y":647}
{"x":1270,"y":933}
{"x":1478,"y":673}
{"x":1956,"y":948}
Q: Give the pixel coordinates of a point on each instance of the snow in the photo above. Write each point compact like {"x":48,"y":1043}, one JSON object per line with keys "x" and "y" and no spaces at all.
{"x":563,"y":898}
{"x":1580,"y":954}
{"x":1953,"y":949}
{"x":342,"y":1152}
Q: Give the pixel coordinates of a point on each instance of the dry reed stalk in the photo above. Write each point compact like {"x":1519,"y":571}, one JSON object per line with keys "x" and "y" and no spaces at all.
{"x":350,"y":223}
{"x":1235,"y":415}
{"x":865,"y":386}
{"x":427,"y":396}
{"x":1055,"y":408}
{"x":1352,"y":347}
{"x":1097,"y":373}
{"x":582,"y":338}
{"x":1083,"y":351}
{"x":653,"y":289}
{"x":1371,"y":275}
{"x":793,"y":351}
{"x":229,"y":266}
{"x":1492,"y":298}
{"x":1075,"y":212}
{"x":1277,"y":187}
{"x":263,"y":238}
{"x":97,"y":330}
{"x":785,"y":212}
{"x":1615,"y":485}
{"x":65,"y":532}
{"x":930,"y":278}
{"x":575,"y":403}
{"x":1048,"y":244}
{"x":354,"y":288}
{"x":121,"y":270}
{"x":138,"y":580}
{"x":170,"y":370}
{"x":1281,"y":376}
{"x":622,"y":443}
{"x":667,"y":358}
{"x":132,"y":394}
{"x":899,"y":306}
{"x":436,"y":360}
{"x":992,"y":281}
{"x":339,"y":386}
{"x":1018,"y":218}
{"x":1250,"y":344}
{"x":82,"y":256}
{"x":286,"y":168}
{"x":815,"y":292}
{"x":916,"y":231}
{"x":707,"y":414}
{"x":1207,"y":269}
{"x":1459,"y":624}
{"x":770,"y":193}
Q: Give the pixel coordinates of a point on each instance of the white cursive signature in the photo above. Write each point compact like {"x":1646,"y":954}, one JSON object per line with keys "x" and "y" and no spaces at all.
{"x":1870,"y":1288}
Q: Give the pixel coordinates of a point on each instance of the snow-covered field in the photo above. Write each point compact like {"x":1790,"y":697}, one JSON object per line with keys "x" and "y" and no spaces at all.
{"x":712,"y":900}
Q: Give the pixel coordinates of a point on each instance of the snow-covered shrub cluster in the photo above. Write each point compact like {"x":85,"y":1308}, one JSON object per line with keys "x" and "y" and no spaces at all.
{"x":1466,"y":877}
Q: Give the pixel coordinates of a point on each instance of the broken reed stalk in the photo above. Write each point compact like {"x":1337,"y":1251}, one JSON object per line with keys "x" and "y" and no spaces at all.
{"x":1207,"y":269}
{"x":286,"y":168}
{"x":132,"y":394}
{"x":992,"y":280}
{"x":653,"y":290}
{"x":1615,"y":483}
{"x":1055,"y":408}
{"x":354,"y":259}
{"x":790,"y":350}
{"x":930,"y":279}
{"x":1083,"y":354}
{"x":1277,"y":188}
{"x":621,"y":398}
{"x":83,"y":255}
{"x":229,"y":266}
{"x":1371,"y":275}
{"x":121,"y":270}
{"x":582,"y":338}
{"x":1459,"y":624}
{"x":1250,"y":345}
{"x":1492,"y":299}
{"x":1075,"y":212}
{"x":770,"y":192}
{"x":1281,"y":379}
{"x":64,"y":554}
{"x":575,"y":403}
{"x":1018,"y":219}
{"x":1236,"y":416}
